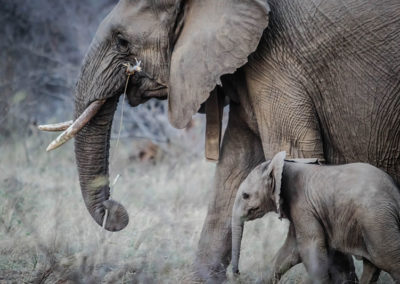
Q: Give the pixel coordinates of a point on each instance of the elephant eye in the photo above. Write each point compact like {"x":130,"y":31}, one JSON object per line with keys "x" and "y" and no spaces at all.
{"x":245,"y":195}
{"x":122,"y":42}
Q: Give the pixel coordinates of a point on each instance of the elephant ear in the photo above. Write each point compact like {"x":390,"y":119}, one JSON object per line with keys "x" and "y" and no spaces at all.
{"x":216,"y":39}
{"x":273,"y":176}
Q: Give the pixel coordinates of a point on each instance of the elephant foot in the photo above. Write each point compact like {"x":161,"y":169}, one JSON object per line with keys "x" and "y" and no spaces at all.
{"x":205,"y":272}
{"x":209,"y":275}
{"x":342,"y":269}
{"x":271,"y":279}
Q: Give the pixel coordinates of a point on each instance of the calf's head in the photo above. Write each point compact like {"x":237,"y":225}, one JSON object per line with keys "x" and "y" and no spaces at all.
{"x":258,"y":194}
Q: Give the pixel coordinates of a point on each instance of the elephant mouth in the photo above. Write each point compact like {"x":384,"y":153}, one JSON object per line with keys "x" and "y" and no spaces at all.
{"x":140,"y":94}
{"x":147,"y":87}
{"x":150,"y":87}
{"x":255,"y":213}
{"x":157,"y":93}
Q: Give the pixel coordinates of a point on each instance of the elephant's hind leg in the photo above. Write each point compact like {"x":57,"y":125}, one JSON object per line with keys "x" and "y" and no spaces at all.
{"x":370,"y":273}
{"x":241,"y":152}
{"x":383,"y":242}
{"x":396,"y":276}
{"x":341,"y":267}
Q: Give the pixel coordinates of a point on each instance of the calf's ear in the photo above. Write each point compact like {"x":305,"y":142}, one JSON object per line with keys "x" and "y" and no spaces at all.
{"x":273,"y":177}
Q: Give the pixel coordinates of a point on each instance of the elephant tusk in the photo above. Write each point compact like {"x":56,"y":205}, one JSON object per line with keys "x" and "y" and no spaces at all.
{"x":56,"y":126}
{"x":77,"y":125}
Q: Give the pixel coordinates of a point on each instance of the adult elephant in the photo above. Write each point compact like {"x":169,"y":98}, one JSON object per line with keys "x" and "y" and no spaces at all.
{"x":317,"y":79}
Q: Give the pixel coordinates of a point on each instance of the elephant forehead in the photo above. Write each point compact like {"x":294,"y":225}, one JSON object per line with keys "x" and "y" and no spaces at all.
{"x":253,"y":182}
{"x":256,"y":174}
{"x":137,"y":17}
{"x":134,"y":17}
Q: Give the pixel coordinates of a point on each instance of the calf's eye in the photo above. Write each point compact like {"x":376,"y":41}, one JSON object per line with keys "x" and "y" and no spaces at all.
{"x":245,"y":195}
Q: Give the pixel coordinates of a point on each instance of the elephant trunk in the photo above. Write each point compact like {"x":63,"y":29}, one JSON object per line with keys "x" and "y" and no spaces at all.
{"x":237,"y":232}
{"x":92,"y":146}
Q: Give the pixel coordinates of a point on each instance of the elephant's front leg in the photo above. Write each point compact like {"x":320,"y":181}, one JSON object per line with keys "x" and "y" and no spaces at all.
{"x":311,"y":242}
{"x":241,"y":152}
{"x":287,"y":257}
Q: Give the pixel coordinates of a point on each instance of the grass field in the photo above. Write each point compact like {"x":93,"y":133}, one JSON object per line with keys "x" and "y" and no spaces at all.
{"x":47,"y":235}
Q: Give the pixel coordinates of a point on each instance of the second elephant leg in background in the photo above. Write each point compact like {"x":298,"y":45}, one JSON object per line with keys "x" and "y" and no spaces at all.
{"x":370,"y":273}
{"x":341,"y":268}
{"x":241,"y":151}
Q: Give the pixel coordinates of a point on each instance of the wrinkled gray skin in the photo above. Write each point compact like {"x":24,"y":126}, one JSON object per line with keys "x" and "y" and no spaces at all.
{"x":353,"y":209}
{"x":316,"y":79}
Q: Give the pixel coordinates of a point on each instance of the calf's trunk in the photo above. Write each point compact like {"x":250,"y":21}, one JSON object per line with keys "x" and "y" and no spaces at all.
{"x":237,"y":232}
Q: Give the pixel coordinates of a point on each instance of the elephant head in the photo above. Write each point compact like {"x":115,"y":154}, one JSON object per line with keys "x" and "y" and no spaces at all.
{"x":258,"y":194}
{"x":185,"y":47}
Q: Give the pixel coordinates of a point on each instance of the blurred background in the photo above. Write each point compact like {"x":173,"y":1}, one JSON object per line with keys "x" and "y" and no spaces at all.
{"x":46,"y":233}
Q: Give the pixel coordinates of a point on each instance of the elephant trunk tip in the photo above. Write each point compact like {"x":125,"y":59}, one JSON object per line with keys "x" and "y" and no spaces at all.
{"x":237,"y":233}
{"x":117,"y":217}
{"x":235,"y":271}
{"x":235,"y":263}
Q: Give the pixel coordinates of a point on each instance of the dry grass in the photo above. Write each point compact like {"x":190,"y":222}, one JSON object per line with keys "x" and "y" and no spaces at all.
{"x":47,"y":236}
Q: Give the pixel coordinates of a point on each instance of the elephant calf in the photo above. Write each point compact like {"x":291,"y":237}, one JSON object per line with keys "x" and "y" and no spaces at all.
{"x":353,"y":209}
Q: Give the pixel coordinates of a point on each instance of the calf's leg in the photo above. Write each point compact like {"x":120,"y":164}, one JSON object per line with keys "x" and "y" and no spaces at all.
{"x":370,"y":273}
{"x":341,"y":268}
{"x":287,"y":257}
{"x":313,"y":251}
